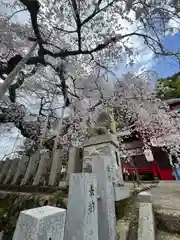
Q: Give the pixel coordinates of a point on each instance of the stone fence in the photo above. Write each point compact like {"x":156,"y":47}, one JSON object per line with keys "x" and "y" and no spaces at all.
{"x":40,"y":169}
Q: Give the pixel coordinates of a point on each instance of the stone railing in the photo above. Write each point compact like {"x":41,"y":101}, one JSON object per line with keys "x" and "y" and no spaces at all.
{"x":40,"y":169}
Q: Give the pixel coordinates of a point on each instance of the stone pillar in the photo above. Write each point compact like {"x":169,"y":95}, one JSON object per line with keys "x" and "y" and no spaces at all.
{"x":74,"y":162}
{"x":146,"y":225}
{"x":101,"y":165}
{"x":12,"y":170}
{"x":101,"y":157}
{"x":42,"y":167}
{"x":21,"y":168}
{"x":82,"y":217}
{"x":41,"y":223}
{"x":5,"y":169}
{"x":1,"y":235}
{"x":108,"y":145}
{"x":31,"y":168}
{"x":145,"y":197}
{"x":56,"y":166}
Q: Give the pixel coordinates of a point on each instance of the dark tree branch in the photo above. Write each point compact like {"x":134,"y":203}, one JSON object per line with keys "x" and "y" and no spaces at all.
{"x":33,"y":8}
{"x":36,"y":60}
{"x":13,"y":61}
{"x":41,"y":106}
{"x":73,"y":94}
{"x":97,"y":10}
{"x":29,"y":129}
{"x":12,"y":15}
{"x":64,"y":30}
{"x":41,"y":109}
{"x":78,"y":22}
{"x":15,"y":86}
{"x":61,"y":71}
{"x":19,"y":82}
{"x":15,"y":114}
{"x":95,"y":105}
{"x":64,"y":53}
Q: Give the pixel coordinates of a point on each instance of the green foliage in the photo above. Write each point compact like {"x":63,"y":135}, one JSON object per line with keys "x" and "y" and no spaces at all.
{"x":59,"y":199}
{"x":167,"y":88}
{"x":59,"y":195}
{"x":3,"y":212}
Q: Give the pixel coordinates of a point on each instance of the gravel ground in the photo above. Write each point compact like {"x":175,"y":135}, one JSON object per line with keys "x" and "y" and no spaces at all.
{"x":167,"y":236}
{"x":167,"y":195}
{"x":166,"y":204}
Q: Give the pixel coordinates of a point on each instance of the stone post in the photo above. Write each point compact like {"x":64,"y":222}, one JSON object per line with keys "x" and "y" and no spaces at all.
{"x":146,"y":226}
{"x":107,"y":145}
{"x":1,"y":235}
{"x":5,"y":169}
{"x":82,"y":218}
{"x":41,"y":223}
{"x":42,"y":167}
{"x":12,"y":170}
{"x":74,"y":162}
{"x":56,"y":166}
{"x":21,"y":168}
{"x":31,"y":168}
{"x":145,"y":197}
{"x":101,"y":152}
{"x":101,"y":165}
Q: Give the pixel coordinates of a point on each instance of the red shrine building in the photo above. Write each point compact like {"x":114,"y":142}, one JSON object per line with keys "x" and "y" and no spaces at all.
{"x":160,"y":168}
{"x":174,"y":104}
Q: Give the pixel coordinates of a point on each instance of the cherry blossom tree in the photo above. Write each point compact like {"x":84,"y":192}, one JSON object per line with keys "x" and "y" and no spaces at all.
{"x":147,"y":115}
{"x":97,"y":35}
{"x":75,"y":41}
{"x":135,"y":106}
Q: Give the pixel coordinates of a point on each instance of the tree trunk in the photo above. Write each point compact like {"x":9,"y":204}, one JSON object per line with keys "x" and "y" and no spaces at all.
{"x":10,"y":78}
{"x":58,"y":130}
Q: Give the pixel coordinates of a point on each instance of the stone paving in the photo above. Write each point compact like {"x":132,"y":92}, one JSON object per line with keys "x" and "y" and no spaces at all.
{"x":166,"y":203}
{"x":167,"y":195}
